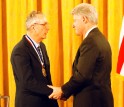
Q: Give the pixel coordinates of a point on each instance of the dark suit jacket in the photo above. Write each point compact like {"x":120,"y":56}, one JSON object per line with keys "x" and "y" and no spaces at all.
{"x":90,"y":83}
{"x":31,"y":85}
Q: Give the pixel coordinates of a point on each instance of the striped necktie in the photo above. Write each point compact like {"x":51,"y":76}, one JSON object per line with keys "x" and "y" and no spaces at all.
{"x":40,"y":54}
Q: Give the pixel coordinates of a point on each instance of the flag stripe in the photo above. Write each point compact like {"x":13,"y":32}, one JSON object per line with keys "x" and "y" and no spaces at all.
{"x":120,"y":64}
{"x":121,"y":58}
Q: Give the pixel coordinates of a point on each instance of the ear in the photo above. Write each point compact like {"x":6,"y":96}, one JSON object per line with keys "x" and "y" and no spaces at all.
{"x":85,"y":19}
{"x":33,"y":28}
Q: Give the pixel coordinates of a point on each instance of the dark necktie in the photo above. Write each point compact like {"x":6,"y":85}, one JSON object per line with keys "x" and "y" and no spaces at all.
{"x":40,"y":54}
{"x":42,"y":61}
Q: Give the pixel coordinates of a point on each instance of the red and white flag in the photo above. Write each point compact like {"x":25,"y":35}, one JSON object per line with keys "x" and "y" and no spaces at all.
{"x":120,"y":64}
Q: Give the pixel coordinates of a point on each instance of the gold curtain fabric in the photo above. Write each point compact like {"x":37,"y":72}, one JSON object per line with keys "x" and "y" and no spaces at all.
{"x":61,"y":43}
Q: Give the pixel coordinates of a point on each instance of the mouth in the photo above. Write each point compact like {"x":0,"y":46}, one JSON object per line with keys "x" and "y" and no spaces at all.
{"x":45,"y":33}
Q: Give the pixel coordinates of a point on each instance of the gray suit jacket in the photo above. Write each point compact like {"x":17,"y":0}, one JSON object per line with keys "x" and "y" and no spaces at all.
{"x":31,"y":85}
{"x":90,"y":83}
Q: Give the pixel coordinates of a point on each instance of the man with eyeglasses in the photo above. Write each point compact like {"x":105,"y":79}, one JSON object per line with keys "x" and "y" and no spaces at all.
{"x":31,"y":66}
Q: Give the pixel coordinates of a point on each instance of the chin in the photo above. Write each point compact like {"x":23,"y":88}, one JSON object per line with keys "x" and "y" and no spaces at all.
{"x":78,"y":34}
{"x":45,"y":37}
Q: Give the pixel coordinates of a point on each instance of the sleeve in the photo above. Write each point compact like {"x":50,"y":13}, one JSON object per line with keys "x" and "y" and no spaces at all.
{"x":23,"y":73}
{"x":88,"y":53}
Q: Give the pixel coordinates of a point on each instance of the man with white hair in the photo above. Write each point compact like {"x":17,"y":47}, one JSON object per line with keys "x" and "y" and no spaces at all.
{"x":31,"y":66}
{"x":90,"y":83}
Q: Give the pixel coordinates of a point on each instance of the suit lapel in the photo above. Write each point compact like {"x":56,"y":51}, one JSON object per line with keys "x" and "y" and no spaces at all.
{"x":31,"y":49}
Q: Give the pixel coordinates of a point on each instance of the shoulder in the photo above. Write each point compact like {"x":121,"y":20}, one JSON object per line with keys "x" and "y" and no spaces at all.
{"x":42,"y":45}
{"x":94,"y":37}
{"x":91,"y":42}
{"x":20,"y":47}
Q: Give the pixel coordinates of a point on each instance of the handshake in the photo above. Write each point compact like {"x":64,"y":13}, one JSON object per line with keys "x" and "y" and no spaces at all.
{"x":57,"y":93}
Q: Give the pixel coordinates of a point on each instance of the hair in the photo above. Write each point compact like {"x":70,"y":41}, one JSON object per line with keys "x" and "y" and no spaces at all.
{"x":33,"y":18}
{"x":87,"y":10}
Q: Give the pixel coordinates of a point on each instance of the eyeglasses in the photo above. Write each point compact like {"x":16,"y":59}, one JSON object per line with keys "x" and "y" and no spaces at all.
{"x":43,"y":24}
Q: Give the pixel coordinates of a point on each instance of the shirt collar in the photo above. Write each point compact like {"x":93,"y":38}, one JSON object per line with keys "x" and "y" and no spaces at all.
{"x":89,"y":31}
{"x":35,"y":43}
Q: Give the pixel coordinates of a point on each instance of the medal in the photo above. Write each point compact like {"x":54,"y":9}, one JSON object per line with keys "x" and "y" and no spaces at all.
{"x":44,"y":72}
